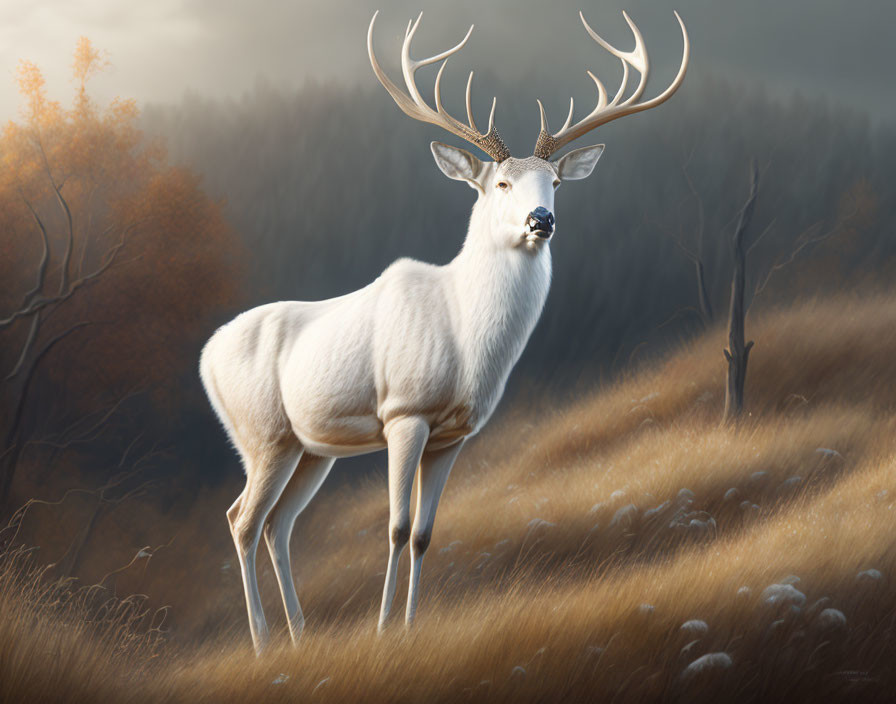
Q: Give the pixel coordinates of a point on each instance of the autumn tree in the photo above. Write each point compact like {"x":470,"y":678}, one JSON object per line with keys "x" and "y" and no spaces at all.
{"x":113,"y":263}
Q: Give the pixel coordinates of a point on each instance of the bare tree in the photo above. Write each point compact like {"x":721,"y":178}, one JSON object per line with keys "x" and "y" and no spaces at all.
{"x":38,"y":305}
{"x":738,"y":352}
{"x":93,"y":219}
{"x":703,"y":300}
{"x":744,"y":287}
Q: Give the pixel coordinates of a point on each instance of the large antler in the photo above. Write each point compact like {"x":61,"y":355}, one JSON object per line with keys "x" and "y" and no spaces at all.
{"x":412,"y":102}
{"x":549,"y":143}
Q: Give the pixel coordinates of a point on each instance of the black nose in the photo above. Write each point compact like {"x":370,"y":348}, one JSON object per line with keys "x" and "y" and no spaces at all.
{"x":541,"y":221}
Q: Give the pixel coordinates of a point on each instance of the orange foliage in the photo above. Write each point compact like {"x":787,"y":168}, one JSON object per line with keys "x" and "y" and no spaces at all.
{"x":167,"y":260}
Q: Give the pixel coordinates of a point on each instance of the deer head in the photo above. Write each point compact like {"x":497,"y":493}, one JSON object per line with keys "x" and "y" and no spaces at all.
{"x":516,"y":196}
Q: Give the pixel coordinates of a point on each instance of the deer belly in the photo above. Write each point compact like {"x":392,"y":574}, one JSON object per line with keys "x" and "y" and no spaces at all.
{"x":332,"y":409}
{"x":343,"y":437}
{"x":336,"y":425}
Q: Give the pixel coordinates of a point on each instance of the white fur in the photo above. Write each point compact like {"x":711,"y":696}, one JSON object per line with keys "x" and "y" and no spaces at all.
{"x":416,"y":361}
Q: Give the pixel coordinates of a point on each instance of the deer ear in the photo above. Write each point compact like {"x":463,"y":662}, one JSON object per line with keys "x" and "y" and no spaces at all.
{"x":456,"y":163}
{"x":579,"y":163}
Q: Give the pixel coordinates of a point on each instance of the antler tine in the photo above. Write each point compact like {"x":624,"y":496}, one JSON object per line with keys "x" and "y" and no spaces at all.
{"x":637,"y":57}
{"x":413,"y":104}
{"x":623,"y":84}
{"x":639,"y":54}
{"x":403,"y":101}
{"x":544,"y":119}
{"x":601,"y":92}
{"x":604,"y":112}
{"x":417,"y":63}
{"x":469,"y":101}
{"x":437,"y":93}
{"x":568,"y":121}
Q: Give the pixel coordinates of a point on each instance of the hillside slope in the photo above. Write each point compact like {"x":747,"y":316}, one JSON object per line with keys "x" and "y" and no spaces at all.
{"x":591,"y":551}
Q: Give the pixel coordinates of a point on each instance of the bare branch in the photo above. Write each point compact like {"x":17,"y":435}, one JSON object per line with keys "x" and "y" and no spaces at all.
{"x":677,"y":314}
{"x":44,"y":302}
{"x":740,"y":211}
{"x":88,"y":228}
{"x":675,"y":237}
{"x":745,"y":214}
{"x":75,"y":434}
{"x":695,"y":256}
{"x":12,"y":440}
{"x":45,"y":256}
{"x":703,"y":295}
{"x":805,"y":239}
{"x":50,"y":344}
{"x":26,"y":347}
{"x":127,"y":450}
{"x":768,"y":228}
{"x":687,"y":252}
{"x":70,"y":242}
{"x":15,"y":522}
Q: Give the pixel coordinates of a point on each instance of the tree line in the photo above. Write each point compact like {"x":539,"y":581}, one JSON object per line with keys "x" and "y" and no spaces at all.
{"x":328,"y":185}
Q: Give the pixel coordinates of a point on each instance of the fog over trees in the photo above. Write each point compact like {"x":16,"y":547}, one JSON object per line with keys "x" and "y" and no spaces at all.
{"x":328,"y":185}
{"x":114,"y":265}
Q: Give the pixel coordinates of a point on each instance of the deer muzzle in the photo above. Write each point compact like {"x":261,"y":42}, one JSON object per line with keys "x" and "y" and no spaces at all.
{"x":540,"y":222}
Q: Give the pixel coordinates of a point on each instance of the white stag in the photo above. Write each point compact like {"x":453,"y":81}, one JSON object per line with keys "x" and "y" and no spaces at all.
{"x":416,"y":361}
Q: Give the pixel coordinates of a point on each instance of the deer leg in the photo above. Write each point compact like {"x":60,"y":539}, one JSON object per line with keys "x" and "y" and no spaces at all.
{"x":234,"y":511}
{"x":302,"y":487}
{"x":405,"y":439}
{"x":267,"y":478}
{"x":435,"y":466}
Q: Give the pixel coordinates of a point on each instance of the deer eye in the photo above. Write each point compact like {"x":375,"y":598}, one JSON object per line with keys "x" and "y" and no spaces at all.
{"x":556,"y":183}
{"x":503,"y":185}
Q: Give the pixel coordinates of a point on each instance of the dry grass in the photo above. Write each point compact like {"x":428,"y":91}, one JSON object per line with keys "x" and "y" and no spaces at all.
{"x":537,"y":565}
{"x":58,"y":640}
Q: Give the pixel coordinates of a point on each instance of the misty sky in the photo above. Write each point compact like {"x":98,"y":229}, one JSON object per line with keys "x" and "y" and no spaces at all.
{"x":164,"y":48}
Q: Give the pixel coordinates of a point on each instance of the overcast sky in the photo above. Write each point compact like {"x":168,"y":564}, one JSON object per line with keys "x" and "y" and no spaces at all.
{"x":160,"y":49}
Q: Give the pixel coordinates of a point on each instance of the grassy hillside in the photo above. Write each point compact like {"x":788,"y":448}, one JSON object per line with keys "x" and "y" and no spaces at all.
{"x":572,"y":545}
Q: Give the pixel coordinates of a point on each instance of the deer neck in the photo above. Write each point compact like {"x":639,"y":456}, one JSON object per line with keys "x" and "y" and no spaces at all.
{"x":500,"y":294}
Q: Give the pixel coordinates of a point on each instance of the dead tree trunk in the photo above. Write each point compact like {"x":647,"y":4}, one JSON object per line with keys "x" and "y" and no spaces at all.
{"x":15,"y":441}
{"x":738,"y":351}
{"x":703,"y":295}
